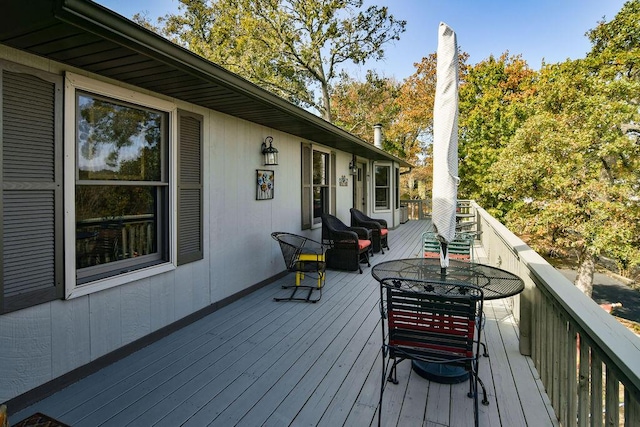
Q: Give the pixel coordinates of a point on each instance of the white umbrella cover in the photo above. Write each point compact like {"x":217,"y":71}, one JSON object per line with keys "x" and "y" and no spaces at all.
{"x":445,"y":141}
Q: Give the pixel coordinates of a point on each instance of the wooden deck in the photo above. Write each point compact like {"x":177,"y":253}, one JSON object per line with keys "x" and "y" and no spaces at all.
{"x":259,"y":362}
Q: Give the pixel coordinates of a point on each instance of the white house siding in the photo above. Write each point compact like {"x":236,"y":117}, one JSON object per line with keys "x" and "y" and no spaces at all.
{"x":40,"y":343}
{"x":344,"y":195}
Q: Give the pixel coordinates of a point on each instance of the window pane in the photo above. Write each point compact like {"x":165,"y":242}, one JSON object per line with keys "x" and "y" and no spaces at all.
{"x":382,"y":198}
{"x":382,"y":176}
{"x":115,"y":223}
{"x":320,"y":202}
{"x":382,"y":190}
{"x":118,"y":142}
{"x":320,"y":168}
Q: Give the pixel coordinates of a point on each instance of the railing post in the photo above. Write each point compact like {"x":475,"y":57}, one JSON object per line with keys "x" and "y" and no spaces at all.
{"x":526,"y":316}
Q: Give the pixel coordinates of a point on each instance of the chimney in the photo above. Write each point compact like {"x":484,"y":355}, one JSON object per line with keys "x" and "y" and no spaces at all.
{"x":377,"y":135}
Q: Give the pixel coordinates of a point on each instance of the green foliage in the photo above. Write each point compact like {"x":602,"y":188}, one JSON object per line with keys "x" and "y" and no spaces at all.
{"x":293,"y":48}
{"x":616,"y":44}
{"x":492,"y":103}
{"x":569,"y":173}
{"x":358,"y":106}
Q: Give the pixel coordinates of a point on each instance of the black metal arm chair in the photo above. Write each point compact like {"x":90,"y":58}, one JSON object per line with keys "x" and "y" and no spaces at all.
{"x":431,"y":322}
{"x":304,"y":257}
{"x":378,"y":227}
{"x":348,"y":247}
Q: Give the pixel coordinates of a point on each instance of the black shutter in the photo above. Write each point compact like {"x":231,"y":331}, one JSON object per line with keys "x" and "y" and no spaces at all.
{"x":32,"y":210}
{"x":189,"y":188}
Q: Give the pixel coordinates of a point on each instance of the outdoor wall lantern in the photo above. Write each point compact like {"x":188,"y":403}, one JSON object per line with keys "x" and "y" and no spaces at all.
{"x":353,"y":169}
{"x":270,"y":153}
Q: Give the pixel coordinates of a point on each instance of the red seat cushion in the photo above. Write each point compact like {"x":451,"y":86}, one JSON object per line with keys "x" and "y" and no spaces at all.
{"x":363,"y":244}
{"x":384,"y":232}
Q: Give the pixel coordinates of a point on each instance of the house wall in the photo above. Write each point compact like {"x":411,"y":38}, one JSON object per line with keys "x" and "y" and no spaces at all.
{"x":40,"y":343}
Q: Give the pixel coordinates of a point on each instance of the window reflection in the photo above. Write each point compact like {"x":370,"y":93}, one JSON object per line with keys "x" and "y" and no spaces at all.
{"x":383,"y":187}
{"x":117,"y":142}
{"x":114,"y":223}
{"x":320,"y":185}
{"x":121,"y":187}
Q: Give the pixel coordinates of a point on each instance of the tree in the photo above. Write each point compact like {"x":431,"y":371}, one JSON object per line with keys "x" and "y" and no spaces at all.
{"x":293,"y":48}
{"x":615,"y":45}
{"x":405,"y":111}
{"x":493,"y":97}
{"x":570,"y":172}
{"x":358,"y":106}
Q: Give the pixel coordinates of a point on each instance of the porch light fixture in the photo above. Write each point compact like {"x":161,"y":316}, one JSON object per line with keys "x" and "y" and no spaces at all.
{"x":353,"y":169}
{"x":270,"y":153}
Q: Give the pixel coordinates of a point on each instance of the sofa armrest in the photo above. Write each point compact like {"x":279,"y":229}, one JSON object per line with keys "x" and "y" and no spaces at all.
{"x":371,"y":225}
{"x":382,"y":222}
{"x":362,"y":232}
{"x":343,"y":236}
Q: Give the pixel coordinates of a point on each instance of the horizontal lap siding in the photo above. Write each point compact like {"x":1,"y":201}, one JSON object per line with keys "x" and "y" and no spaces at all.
{"x":31,"y":187}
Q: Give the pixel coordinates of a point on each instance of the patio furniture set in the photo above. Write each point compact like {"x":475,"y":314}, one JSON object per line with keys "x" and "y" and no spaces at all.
{"x":431,"y":315}
{"x":342,"y":247}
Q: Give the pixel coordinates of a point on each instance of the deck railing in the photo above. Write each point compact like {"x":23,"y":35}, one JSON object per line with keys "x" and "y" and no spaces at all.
{"x":417,"y":209}
{"x":588,"y":362}
{"x":100,"y":240}
{"x":421,"y":209}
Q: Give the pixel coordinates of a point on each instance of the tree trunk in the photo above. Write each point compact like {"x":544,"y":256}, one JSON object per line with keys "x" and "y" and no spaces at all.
{"x":326,"y":103}
{"x":584,"y":279}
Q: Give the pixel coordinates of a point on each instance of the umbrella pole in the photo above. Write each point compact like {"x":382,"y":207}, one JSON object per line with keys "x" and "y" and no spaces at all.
{"x":443,"y":270}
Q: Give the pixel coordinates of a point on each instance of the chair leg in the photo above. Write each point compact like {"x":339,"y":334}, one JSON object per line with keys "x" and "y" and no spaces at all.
{"x":308,"y":288}
{"x":306,"y":298}
{"x":383,"y":383}
{"x":485,"y":401}
{"x":484,"y":346}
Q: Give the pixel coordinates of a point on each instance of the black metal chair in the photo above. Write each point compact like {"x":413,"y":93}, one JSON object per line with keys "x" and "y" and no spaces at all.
{"x":303,"y":256}
{"x":378,"y":227}
{"x":431,"y":322}
{"x":348,"y":247}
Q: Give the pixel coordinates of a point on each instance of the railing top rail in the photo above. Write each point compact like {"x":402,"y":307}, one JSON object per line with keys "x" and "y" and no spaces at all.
{"x":613,"y":339}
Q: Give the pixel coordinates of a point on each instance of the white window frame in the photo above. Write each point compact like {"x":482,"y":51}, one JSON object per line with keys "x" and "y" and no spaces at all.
{"x":318,"y":223}
{"x":75,"y":82}
{"x":389,"y":187}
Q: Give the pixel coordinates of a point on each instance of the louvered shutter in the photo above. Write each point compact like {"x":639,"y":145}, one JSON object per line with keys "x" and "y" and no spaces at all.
{"x":32,"y":210}
{"x":189,"y":188}
{"x":306,"y":186}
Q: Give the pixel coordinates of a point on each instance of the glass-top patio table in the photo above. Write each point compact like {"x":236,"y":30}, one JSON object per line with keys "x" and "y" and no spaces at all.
{"x":495,"y":282}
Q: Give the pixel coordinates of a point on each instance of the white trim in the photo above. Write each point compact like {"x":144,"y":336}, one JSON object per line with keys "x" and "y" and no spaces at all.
{"x":121,"y":279}
{"x":116,"y":92}
{"x":388,"y":165}
{"x":72,"y":83}
{"x":327,"y":151}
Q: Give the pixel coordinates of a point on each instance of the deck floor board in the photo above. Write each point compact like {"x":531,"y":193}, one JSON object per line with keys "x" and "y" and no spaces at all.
{"x":261,"y":362}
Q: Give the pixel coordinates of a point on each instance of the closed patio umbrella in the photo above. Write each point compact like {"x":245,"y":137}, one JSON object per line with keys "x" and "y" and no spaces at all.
{"x":445,"y":141}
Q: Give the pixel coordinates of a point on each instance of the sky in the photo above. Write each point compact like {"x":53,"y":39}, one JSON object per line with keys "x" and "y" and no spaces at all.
{"x":538,"y":30}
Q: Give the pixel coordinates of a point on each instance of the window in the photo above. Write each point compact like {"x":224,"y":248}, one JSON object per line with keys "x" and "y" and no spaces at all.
{"x":133,"y":191}
{"x":318,"y":184}
{"x":121,"y":192}
{"x":99,"y":216}
{"x":383,"y":187}
{"x":320,"y":187}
